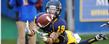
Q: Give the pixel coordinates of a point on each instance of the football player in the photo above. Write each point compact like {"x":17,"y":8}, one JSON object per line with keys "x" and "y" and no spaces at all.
{"x":57,"y":33}
{"x":56,"y":27}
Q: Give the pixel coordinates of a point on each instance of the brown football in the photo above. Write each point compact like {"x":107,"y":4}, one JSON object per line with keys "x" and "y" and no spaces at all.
{"x":43,"y":20}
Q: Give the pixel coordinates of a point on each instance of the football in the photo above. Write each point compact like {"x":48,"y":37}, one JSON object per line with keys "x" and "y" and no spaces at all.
{"x":43,"y":20}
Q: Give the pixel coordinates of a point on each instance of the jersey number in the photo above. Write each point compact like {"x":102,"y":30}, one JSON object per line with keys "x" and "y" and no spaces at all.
{"x":61,"y":28}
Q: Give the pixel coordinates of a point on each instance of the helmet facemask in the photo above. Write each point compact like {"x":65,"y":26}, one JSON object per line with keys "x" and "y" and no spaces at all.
{"x":54,"y":7}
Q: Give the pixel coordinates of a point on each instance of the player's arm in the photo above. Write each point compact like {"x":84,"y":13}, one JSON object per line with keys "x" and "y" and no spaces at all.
{"x":54,"y":35}
{"x":52,"y":38}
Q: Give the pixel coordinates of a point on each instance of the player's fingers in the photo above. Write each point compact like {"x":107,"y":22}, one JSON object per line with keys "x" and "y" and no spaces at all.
{"x":32,"y":33}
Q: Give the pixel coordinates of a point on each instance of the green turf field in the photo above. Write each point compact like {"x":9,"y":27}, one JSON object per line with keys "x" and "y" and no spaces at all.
{"x":13,"y":41}
{"x":9,"y":33}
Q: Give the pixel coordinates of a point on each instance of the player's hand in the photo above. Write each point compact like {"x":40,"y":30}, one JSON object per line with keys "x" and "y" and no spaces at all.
{"x":32,"y":33}
{"x":49,"y":41}
{"x":54,"y":35}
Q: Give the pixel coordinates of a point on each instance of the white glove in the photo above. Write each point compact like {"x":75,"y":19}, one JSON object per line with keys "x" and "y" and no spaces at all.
{"x":44,"y":38}
{"x":78,"y":38}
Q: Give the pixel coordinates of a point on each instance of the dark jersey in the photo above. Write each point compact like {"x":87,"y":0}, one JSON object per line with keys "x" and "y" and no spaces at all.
{"x":58,"y":25}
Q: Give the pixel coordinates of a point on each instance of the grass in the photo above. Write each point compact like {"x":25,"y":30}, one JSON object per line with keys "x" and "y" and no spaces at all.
{"x":39,"y":41}
{"x":84,"y":37}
